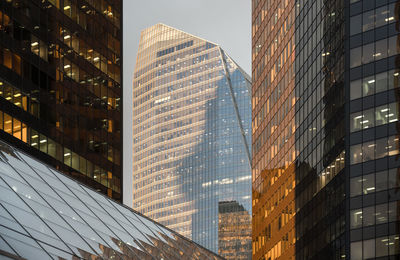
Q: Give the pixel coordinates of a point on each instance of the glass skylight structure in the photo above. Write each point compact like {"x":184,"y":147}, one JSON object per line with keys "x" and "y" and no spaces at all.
{"x":192,"y":121}
{"x":47,"y":215}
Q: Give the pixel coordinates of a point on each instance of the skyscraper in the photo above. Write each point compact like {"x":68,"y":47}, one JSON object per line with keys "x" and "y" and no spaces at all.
{"x":191,"y":133}
{"x":325,"y":129}
{"x":60,"y":86}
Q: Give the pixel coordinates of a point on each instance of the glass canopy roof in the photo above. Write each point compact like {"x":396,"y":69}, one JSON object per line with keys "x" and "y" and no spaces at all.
{"x":47,"y":215}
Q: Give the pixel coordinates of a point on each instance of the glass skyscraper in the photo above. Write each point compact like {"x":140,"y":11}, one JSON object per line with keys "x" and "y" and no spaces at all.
{"x":325,"y":129}
{"x":191,"y":133}
{"x":47,"y":215}
{"x":60,"y":86}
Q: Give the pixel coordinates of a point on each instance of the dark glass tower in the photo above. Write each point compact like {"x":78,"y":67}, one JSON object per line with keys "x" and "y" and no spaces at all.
{"x":60,"y":86}
{"x":325,"y":168}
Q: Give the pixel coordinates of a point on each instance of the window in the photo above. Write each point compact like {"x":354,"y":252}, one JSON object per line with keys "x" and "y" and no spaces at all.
{"x":7,"y":123}
{"x":381,"y":113}
{"x":380,"y":49}
{"x":368,"y":182}
{"x":381,"y":213}
{"x":393,"y":178}
{"x":355,"y":121}
{"x":368,"y":86}
{"x":381,"y":82}
{"x":67,"y":156}
{"x":394,"y":245}
{"x":356,"y":251}
{"x":355,"y":186}
{"x":392,"y":46}
{"x":393,"y":145}
{"x":7,"y":58}
{"x":393,"y":79}
{"x":381,"y":245}
{"x":381,"y":180}
{"x":355,"y":154}
{"x":392,"y":211}
{"x":356,"y":218}
{"x":355,"y":89}
{"x":368,"y":217}
{"x":374,"y":149}
{"x":368,"y":151}
{"x":355,"y":57}
{"x":368,"y":119}
{"x":381,"y":148}
{"x":43,"y":143}
{"x":355,"y":24}
{"x":368,"y":21}
{"x":369,"y":249}
{"x":381,"y":16}
{"x":368,"y":53}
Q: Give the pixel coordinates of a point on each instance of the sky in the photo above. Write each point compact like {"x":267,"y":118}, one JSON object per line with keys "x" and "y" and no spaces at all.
{"x":224,"y":22}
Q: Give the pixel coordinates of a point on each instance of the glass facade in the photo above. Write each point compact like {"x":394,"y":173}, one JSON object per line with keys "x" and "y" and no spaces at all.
{"x":234,"y":231}
{"x":191,"y":133}
{"x":47,"y":215}
{"x":373,"y":191}
{"x":273,"y":129}
{"x":341,"y":182}
{"x":60,"y":86}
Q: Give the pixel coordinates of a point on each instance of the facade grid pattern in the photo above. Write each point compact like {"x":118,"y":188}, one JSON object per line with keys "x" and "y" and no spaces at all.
{"x":191,"y":133}
{"x":47,"y":215}
{"x":60,"y":86}
{"x":341,"y":157}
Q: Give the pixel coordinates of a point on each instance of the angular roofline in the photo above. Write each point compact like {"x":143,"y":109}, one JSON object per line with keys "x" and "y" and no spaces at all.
{"x":108,"y":198}
{"x":163,"y":24}
{"x":247,"y":76}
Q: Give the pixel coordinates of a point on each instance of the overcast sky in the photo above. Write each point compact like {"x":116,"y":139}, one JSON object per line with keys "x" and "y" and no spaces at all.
{"x":224,"y":22}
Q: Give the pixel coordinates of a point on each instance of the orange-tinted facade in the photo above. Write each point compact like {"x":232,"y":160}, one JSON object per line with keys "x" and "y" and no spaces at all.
{"x":234,"y":231}
{"x":329,"y":188}
{"x":273,"y":129}
{"x":298,"y":130}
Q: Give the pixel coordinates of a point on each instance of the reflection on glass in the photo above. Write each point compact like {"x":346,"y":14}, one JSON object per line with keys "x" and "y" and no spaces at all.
{"x":373,"y":51}
{"x":374,"y":84}
{"x":192,"y":131}
{"x":374,"y":149}
{"x":70,"y":220}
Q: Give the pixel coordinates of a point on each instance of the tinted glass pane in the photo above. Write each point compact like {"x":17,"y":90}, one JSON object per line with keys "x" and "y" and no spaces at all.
{"x":355,"y":24}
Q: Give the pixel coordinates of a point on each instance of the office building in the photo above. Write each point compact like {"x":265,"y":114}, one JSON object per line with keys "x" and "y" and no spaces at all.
{"x":191,"y":117}
{"x":234,"y":231}
{"x":325,"y":139}
{"x":60,"y":86}
{"x":47,"y":215}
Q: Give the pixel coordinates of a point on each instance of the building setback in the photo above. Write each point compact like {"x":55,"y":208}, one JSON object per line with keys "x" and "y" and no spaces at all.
{"x":47,"y":215}
{"x":325,"y":129}
{"x":60,"y":86}
{"x":191,"y":109}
